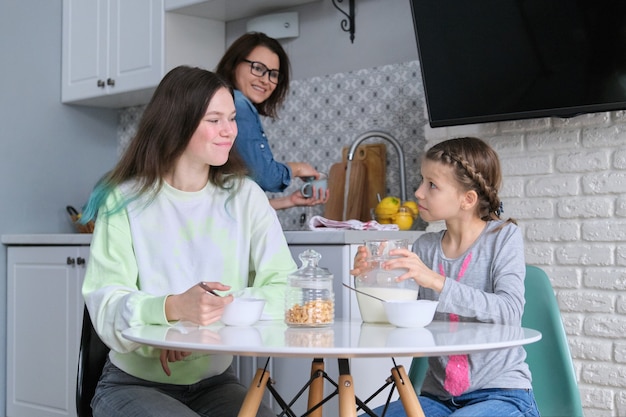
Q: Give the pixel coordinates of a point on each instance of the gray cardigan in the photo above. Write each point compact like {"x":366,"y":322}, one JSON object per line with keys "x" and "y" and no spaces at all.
{"x":490,"y":290}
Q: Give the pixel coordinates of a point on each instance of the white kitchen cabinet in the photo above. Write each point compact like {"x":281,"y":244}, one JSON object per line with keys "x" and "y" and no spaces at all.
{"x":44,"y":316}
{"x":116,"y":52}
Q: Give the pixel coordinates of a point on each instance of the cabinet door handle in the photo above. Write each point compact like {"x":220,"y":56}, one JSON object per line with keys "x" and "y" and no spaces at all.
{"x":111,"y":82}
{"x":80,"y":261}
{"x":71,"y":261}
{"x":100,"y":83}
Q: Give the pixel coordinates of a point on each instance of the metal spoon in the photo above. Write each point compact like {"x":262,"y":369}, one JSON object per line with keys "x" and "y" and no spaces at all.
{"x":207,"y":289}
{"x":364,"y":293}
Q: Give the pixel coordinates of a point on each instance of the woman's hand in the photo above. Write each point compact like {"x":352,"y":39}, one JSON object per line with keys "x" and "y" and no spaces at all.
{"x":417,"y":270}
{"x":198,"y":305}
{"x":319,"y":197}
{"x":302,"y":169}
{"x":297,"y":199}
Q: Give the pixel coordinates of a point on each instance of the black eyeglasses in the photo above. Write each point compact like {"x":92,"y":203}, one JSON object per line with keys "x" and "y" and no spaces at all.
{"x":258,"y":69}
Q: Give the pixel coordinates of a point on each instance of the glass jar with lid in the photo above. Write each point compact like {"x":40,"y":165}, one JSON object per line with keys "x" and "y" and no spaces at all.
{"x":310,"y":300}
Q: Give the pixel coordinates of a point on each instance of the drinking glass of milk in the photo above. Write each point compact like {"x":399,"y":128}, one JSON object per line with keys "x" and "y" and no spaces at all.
{"x":382,"y":283}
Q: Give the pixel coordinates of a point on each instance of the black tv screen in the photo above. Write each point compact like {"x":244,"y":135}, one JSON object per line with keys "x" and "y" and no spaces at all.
{"x":495,"y":60}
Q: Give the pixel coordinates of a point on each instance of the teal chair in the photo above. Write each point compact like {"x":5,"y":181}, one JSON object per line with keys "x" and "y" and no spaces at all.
{"x":554,"y":380}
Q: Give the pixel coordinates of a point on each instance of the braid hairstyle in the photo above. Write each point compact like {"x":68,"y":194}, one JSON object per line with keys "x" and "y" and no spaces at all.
{"x":476,"y":167}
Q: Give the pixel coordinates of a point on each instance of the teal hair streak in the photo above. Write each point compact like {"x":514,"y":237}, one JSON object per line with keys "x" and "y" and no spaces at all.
{"x":103,"y":189}
{"x":98,"y":197}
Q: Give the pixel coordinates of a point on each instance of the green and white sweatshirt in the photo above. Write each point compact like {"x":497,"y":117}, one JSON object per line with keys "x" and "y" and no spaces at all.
{"x":148,"y":251}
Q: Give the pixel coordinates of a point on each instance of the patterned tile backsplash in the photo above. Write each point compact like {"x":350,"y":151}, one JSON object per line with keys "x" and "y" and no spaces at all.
{"x":324,"y":114}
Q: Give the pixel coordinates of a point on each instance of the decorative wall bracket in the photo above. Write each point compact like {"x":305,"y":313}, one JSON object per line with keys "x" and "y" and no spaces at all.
{"x":347,"y":24}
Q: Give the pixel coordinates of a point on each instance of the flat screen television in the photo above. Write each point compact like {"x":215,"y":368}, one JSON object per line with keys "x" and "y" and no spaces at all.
{"x":494,"y":60}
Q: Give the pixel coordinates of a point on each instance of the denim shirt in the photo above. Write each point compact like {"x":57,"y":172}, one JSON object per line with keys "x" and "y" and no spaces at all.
{"x":252,"y":145}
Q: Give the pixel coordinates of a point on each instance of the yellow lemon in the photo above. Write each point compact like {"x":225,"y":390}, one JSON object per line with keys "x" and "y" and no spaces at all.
{"x":387,"y":207}
{"x":403,"y":218}
{"x":411,"y":205}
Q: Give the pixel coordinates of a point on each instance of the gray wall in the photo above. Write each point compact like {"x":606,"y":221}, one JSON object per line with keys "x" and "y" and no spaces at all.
{"x":384,"y":35}
{"x":50,"y":154}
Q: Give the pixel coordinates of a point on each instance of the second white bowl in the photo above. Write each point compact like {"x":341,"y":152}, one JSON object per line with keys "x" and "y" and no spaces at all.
{"x":410,"y":313}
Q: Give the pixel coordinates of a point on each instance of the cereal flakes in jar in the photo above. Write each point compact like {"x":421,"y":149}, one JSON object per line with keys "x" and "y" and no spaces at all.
{"x":310,"y":300}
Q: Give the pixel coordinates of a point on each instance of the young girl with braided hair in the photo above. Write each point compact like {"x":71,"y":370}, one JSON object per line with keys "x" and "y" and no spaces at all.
{"x":476,"y":269}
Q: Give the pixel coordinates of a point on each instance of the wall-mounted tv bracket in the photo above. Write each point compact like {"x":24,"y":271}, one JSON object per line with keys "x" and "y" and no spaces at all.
{"x":347,"y":24}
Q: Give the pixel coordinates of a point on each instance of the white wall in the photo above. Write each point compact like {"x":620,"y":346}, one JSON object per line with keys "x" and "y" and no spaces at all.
{"x":565,"y":183}
{"x":384,"y":35}
{"x":50,"y":154}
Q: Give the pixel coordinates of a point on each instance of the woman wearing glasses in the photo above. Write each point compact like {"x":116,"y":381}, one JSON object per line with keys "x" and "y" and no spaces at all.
{"x":258,"y":67}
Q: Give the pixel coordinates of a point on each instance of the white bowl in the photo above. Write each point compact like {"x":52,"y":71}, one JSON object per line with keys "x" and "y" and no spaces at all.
{"x":243,"y":311}
{"x":410,"y":313}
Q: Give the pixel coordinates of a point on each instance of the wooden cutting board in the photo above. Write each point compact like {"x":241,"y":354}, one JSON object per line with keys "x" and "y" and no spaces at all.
{"x":333,"y":209}
{"x":374,"y":156}
{"x":367,"y":179}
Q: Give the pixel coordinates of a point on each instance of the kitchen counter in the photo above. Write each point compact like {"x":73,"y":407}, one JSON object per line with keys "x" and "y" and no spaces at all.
{"x":304,"y":237}
{"x":51,"y":239}
{"x":342,"y":237}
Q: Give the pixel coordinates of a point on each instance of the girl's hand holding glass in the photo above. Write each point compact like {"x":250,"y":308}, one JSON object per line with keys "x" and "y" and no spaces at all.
{"x":403,"y":259}
{"x":360,"y":262}
{"x":416,"y":269}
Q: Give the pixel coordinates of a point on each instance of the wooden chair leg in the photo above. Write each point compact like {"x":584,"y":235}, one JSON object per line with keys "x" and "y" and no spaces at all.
{"x":316,"y":389}
{"x":255,"y":393}
{"x":347,"y":399}
{"x":407,"y":394}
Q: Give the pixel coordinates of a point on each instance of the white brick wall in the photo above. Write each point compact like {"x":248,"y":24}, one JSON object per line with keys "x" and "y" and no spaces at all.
{"x":565,"y":183}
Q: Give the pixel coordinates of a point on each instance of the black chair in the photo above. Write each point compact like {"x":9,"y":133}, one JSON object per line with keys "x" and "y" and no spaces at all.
{"x":91,"y":358}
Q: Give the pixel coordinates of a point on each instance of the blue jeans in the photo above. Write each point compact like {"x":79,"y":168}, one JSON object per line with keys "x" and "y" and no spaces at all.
{"x":480,"y":403}
{"x":119,"y":394}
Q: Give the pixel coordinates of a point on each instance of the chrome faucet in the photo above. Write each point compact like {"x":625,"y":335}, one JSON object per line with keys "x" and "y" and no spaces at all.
{"x":394,"y":142}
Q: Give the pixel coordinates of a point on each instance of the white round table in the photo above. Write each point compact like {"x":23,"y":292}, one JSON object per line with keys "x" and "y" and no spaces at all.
{"x":342,"y":340}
